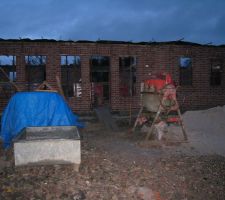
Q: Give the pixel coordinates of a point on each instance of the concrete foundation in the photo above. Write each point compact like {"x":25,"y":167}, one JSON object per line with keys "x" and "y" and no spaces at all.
{"x":48,"y":145}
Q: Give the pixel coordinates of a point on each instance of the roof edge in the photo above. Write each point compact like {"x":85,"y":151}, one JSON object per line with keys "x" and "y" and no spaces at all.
{"x":178,"y":42}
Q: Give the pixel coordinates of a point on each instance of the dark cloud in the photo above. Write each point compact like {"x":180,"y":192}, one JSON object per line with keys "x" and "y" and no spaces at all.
{"x":199,"y":21}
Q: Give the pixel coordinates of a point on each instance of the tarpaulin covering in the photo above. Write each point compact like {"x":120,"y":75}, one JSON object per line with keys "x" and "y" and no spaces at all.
{"x":29,"y":109}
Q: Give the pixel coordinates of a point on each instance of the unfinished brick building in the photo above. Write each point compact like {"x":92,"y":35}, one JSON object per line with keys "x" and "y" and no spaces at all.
{"x":109,"y":73}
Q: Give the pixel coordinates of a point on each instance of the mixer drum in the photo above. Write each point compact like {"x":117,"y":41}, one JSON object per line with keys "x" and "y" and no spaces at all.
{"x":151,"y":102}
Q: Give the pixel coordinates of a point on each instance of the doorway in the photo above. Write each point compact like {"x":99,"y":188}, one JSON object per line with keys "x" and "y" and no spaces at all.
{"x":100,"y":80}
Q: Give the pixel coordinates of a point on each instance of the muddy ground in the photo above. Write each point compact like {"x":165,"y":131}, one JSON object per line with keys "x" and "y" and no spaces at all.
{"x":119,"y":166}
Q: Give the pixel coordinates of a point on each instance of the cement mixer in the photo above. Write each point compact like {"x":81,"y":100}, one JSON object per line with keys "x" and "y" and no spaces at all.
{"x":158,"y":98}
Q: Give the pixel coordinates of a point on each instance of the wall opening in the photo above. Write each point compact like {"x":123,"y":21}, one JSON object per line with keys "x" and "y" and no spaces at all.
{"x":127,"y":76}
{"x":8,"y":64}
{"x":185,"y":71}
{"x":71,"y":75}
{"x":35,"y":70}
{"x":100,"y":80}
{"x":216,"y":72}
{"x":7,"y":73}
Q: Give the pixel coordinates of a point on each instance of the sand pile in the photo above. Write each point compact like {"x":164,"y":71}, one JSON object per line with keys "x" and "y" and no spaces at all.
{"x":206,"y":121}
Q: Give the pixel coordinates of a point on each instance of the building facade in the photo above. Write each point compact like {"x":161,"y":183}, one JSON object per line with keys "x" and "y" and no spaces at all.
{"x":110,"y":73}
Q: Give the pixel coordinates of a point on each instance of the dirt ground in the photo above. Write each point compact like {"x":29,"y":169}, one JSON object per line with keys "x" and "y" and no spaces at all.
{"x":119,"y":165}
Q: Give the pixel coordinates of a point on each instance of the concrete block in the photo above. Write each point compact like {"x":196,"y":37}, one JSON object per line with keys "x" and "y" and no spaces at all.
{"x":48,"y":145}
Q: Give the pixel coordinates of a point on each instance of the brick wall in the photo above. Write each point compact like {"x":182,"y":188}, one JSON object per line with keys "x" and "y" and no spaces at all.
{"x":159,"y":57}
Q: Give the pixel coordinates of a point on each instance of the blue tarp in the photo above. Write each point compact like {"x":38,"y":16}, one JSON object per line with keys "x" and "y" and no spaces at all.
{"x":27,"y":109}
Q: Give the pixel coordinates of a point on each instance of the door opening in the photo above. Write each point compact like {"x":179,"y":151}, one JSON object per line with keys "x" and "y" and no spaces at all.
{"x":100,"y":80}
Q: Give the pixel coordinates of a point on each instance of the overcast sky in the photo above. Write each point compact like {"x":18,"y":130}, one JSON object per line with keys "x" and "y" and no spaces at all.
{"x":201,"y":21}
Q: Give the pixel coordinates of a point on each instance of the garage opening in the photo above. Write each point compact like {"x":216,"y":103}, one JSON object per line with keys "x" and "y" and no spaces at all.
{"x":100,"y":80}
